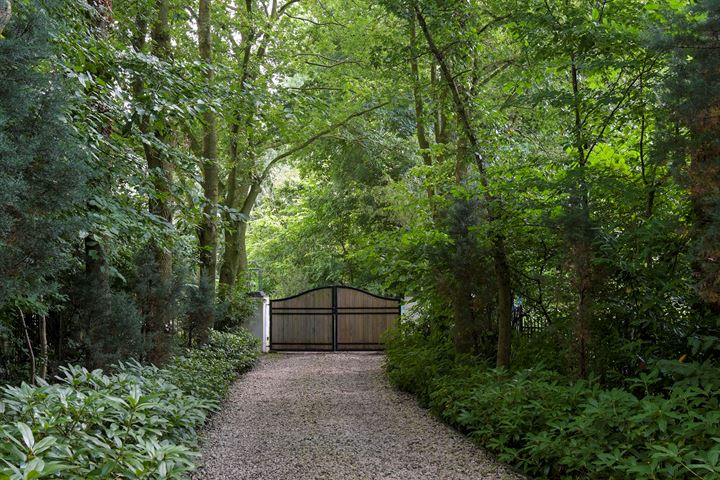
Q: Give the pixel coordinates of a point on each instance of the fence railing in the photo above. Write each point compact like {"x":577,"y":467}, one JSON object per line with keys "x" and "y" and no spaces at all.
{"x":527,"y":324}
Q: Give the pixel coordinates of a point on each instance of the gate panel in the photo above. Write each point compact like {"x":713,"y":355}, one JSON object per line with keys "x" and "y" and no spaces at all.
{"x":303,"y":322}
{"x":362,"y":319}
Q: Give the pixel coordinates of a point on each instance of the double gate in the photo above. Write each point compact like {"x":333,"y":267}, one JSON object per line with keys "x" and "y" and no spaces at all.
{"x":331,"y":319}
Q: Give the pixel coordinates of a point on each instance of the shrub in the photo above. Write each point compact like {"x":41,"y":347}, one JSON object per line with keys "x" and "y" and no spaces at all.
{"x":139,"y":422}
{"x":224,"y":357}
{"x":552,"y":427}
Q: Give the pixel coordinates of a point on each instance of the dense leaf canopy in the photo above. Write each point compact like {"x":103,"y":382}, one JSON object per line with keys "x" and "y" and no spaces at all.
{"x":540,"y":179}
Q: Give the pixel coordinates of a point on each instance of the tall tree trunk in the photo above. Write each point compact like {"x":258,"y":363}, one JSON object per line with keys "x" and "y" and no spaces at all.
{"x":465,"y":328}
{"x":43,"y":347}
{"x":208,"y":225}
{"x":420,"y":127}
{"x":580,"y":234}
{"x":235,"y":257}
{"x":234,"y":231}
{"x":97,"y":293}
{"x":158,"y":324}
{"x":97,"y":301}
{"x":239,"y":184}
{"x":235,"y":261}
{"x":705,"y":201}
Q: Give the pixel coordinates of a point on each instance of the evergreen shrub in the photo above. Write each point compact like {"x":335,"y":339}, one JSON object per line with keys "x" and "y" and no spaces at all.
{"x":135,"y":422}
{"x":663,"y":425}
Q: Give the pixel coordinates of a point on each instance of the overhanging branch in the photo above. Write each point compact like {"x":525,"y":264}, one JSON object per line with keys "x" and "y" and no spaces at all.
{"x":316,"y":137}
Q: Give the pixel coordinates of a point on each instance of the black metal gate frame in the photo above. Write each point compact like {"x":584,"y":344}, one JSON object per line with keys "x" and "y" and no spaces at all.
{"x":333,"y":311}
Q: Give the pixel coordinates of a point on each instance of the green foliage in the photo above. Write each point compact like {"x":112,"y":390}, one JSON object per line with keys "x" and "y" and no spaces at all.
{"x":552,"y":427}
{"x":236,"y":307}
{"x":138,"y":422}
{"x":43,"y":165}
{"x":208,"y":372}
{"x":413,"y":360}
{"x":594,"y":160}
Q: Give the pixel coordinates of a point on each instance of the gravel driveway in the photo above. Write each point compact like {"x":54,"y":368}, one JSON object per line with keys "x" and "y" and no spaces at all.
{"x":333,"y":416}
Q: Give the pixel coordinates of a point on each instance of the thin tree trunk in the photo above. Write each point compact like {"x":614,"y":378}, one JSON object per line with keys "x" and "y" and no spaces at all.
{"x":440,"y":99}
{"x":208,"y":224}
{"x":420,"y":127}
{"x":581,"y":236}
{"x":29,"y":345}
{"x":43,"y":347}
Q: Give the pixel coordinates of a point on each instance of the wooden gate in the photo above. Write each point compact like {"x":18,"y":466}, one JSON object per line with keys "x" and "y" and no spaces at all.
{"x":331,"y":319}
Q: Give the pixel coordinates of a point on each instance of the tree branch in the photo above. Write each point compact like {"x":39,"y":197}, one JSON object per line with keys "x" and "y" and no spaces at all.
{"x":315,"y":22}
{"x":282,"y":9}
{"x":316,"y":137}
{"x":458,"y":95}
{"x":620,"y":103}
{"x":333,"y":65}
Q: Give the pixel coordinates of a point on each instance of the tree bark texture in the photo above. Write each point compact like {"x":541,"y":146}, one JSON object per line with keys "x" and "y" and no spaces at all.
{"x":705,"y":201}
{"x":420,"y":127}
{"x":579,"y":232}
{"x":97,"y":301}
{"x":158,"y":324}
{"x":210,"y":170}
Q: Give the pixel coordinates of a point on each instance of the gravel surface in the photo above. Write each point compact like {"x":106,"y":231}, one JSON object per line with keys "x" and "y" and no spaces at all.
{"x":333,"y":416}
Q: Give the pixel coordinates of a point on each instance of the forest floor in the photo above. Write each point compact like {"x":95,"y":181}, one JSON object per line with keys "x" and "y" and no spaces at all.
{"x":333,"y":416}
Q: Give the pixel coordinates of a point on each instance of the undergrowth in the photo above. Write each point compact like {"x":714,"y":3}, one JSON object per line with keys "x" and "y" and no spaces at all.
{"x":663,"y":425}
{"x":135,"y":422}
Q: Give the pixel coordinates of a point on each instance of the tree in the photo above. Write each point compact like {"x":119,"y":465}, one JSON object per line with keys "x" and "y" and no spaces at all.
{"x":210,"y":170}
{"x":599,"y":49}
{"x":43,"y":172}
{"x":693,"y":87}
{"x":462,"y":100}
{"x":158,"y":134}
{"x":270,"y":123}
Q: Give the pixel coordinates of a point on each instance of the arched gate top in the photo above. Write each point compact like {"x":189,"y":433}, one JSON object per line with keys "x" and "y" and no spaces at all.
{"x":297,"y":295}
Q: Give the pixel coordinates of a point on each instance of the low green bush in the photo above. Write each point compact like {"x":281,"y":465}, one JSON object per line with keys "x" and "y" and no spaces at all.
{"x":665,"y":425}
{"x":137,"y":422}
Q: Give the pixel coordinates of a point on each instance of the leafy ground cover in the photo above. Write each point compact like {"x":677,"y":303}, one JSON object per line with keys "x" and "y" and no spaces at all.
{"x":665,"y":424}
{"x":134,"y":422}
